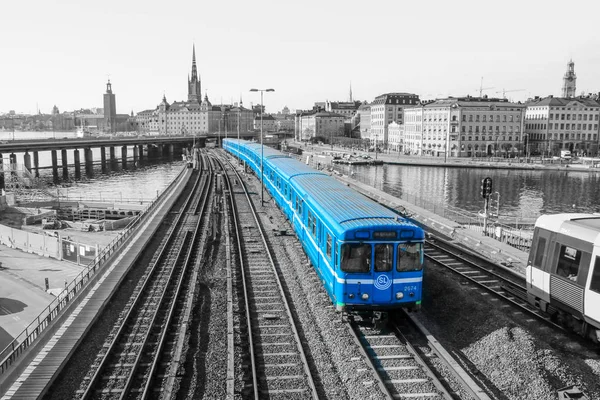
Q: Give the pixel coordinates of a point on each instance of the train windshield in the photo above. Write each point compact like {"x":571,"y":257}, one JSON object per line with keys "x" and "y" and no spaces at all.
{"x":384,"y":257}
{"x":410,"y":257}
{"x":356,"y":257}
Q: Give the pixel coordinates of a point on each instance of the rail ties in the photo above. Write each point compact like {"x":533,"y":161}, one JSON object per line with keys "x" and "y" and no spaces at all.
{"x":504,"y":286}
{"x":278,"y":366}
{"x":401,"y":370}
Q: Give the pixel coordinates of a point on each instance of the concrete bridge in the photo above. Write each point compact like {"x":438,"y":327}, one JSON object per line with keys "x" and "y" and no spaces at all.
{"x":143,"y":146}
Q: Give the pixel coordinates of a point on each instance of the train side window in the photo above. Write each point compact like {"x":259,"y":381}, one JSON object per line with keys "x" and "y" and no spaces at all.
{"x":384,"y":257}
{"x":595,"y":283}
{"x":568,"y":262}
{"x":328,"y":249}
{"x":409,"y":257}
{"x":539,"y":253}
{"x":356,"y":257}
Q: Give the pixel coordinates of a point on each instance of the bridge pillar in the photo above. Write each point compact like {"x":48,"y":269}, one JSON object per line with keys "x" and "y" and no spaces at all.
{"x":77,"y":164}
{"x":65,"y":163}
{"x":124,"y":156}
{"x":141,"y":151}
{"x":88,"y":157}
{"x":103,"y":158}
{"x":170,"y":151}
{"x":112,"y":154}
{"x":13,"y":161}
{"x":27,"y":161}
{"x":36,"y":164}
{"x":135,"y":155}
{"x":54,"y":165}
{"x":1,"y":173}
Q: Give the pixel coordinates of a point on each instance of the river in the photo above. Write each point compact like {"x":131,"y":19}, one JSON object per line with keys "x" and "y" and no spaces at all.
{"x":523,"y":193}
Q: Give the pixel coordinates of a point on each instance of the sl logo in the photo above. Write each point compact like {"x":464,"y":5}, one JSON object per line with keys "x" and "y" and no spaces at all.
{"x":383,"y":282}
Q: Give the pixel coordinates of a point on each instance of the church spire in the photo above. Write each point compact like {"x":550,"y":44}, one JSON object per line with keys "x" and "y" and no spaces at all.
{"x":194,"y":88}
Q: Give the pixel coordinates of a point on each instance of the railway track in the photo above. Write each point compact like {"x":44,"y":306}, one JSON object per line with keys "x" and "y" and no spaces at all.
{"x":144,"y":345}
{"x":506,"y":286}
{"x":277,"y":367}
{"x":403,"y":357}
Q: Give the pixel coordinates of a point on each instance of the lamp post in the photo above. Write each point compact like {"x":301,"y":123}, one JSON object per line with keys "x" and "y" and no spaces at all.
{"x":262,"y":148}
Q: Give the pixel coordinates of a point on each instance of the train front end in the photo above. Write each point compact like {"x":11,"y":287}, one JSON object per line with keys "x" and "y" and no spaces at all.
{"x":382,"y":268}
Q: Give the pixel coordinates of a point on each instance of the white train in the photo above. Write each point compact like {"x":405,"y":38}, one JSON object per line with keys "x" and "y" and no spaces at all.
{"x":563,"y":271}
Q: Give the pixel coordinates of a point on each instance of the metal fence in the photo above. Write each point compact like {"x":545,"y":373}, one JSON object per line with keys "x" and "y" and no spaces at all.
{"x":26,"y":338}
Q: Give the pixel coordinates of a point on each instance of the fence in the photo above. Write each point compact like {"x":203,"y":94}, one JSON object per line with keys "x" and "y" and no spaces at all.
{"x":26,"y":338}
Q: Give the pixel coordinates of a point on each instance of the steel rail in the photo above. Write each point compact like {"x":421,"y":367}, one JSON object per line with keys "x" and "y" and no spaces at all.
{"x":154,"y":269}
{"x":189,"y":256}
{"x":503,"y":292}
{"x":269,"y":254}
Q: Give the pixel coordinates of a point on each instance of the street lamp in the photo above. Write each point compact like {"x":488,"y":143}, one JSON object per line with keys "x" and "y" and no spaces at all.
{"x":262,"y":148}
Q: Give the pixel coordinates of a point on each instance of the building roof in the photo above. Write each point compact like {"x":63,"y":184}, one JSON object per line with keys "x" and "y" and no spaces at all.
{"x":388,"y":98}
{"x":471,"y":102}
{"x":563,"y":101}
{"x":327,"y":114}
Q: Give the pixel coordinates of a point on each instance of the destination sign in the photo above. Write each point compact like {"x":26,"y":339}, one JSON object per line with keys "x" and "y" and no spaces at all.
{"x":385,"y":235}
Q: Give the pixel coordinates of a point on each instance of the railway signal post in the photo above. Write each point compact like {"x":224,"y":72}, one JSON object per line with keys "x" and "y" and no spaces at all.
{"x":486,"y":192}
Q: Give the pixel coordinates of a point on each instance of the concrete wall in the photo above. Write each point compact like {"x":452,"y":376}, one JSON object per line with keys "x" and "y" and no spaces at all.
{"x":43,"y":245}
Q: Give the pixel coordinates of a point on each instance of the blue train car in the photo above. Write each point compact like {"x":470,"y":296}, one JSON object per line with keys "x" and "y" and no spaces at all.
{"x":367,"y":256}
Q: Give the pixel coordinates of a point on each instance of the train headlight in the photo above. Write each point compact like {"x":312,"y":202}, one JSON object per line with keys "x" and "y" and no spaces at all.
{"x":365,"y":296}
{"x":399,"y":295}
{"x":412,"y":294}
{"x":351,"y":295}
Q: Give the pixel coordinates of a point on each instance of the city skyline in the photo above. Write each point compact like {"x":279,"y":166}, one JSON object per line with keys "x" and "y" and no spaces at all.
{"x":63,"y":55}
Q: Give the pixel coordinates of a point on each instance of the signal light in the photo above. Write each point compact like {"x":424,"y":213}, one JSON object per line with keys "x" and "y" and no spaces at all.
{"x":486,"y":187}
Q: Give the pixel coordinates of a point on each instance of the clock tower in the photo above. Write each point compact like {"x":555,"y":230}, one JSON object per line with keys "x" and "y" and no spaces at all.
{"x":569,"y":80}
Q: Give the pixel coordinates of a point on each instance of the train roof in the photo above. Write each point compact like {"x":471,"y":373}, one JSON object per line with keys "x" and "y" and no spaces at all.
{"x":269,"y":152}
{"x":584,"y":227}
{"x":289,"y":167}
{"x":344,"y":208}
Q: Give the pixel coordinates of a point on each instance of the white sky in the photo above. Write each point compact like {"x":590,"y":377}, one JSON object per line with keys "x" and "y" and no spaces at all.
{"x":61,"y":51}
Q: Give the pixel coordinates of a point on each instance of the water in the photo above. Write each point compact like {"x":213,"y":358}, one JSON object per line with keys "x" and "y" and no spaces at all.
{"x":139,"y":182}
{"x":523,"y":193}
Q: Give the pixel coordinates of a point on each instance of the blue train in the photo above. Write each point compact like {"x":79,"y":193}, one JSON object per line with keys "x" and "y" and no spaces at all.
{"x":369,"y":258}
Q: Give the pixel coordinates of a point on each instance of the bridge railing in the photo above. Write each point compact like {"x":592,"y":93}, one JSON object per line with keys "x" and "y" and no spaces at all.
{"x":26,"y":338}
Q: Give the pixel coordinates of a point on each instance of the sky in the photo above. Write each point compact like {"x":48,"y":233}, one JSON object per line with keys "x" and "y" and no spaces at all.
{"x":62,"y":52}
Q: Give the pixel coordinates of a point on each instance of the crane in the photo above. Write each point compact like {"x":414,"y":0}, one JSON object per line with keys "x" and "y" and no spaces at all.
{"x":504,"y":91}
{"x":481,"y":88}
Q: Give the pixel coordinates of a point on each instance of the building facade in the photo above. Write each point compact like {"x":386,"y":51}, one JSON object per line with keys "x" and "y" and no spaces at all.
{"x":558,"y":123}
{"x":464,"y":127}
{"x":385,"y":109}
{"x":364,"y":121}
{"x":396,"y":137}
{"x":326,"y":125}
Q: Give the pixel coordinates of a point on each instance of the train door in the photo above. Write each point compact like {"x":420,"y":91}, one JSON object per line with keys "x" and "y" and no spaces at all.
{"x":538,"y":276}
{"x":592,"y":293}
{"x":383,"y":272}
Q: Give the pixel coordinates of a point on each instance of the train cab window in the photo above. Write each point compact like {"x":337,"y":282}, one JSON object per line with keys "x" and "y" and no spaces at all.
{"x":539,"y":253}
{"x":356,"y":257}
{"x":568,"y":262}
{"x":328,"y":249}
{"x":410,"y":257}
{"x":384,"y":257}
{"x":595,"y":283}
